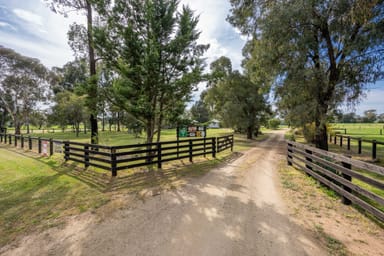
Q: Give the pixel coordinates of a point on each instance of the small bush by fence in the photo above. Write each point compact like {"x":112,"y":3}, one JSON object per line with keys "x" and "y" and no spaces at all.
{"x":344,"y":175}
{"x":115,"y":158}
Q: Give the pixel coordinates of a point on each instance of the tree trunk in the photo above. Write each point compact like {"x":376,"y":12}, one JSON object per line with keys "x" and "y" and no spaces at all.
{"x":160,"y":120}
{"x":77,"y":127}
{"x":2,"y":124}
{"x":256,"y":132}
{"x":94,"y":132}
{"x":92,"y":93}
{"x":249,"y":132}
{"x":321,"y":138}
{"x":118,"y":121}
{"x":103,"y":122}
{"x":17,"y":128}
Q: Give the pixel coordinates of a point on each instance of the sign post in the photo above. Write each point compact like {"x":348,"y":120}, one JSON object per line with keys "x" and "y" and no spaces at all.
{"x":190,"y":131}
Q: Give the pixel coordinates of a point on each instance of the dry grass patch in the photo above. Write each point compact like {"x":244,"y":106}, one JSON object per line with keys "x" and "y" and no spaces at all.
{"x":342,"y":229}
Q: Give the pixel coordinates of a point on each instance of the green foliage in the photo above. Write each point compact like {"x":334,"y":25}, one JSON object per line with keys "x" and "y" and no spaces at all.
{"x":320,"y":52}
{"x":23,"y":84}
{"x":71,"y":77}
{"x":199,"y":112}
{"x":69,"y":109}
{"x":154,"y":60}
{"x":273,"y":123}
{"x":82,"y":43}
{"x":235,"y":99}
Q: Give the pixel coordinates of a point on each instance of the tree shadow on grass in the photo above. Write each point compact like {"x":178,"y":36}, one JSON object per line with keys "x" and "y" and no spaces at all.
{"x":136,"y":179}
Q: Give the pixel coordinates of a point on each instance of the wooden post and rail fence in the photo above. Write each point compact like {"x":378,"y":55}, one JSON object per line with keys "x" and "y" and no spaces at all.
{"x":115,"y":158}
{"x":342,"y":174}
{"x":339,"y":139}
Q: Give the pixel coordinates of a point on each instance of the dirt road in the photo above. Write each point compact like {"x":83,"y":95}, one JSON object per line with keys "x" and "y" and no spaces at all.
{"x":233,"y":210}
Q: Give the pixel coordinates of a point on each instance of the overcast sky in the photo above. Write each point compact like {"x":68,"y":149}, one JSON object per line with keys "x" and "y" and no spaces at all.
{"x":32,"y":29}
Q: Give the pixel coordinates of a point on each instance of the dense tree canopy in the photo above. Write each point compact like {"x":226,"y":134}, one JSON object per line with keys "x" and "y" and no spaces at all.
{"x":154,"y":60}
{"x":235,"y":99}
{"x":321,"y":52}
{"x":23,"y":84}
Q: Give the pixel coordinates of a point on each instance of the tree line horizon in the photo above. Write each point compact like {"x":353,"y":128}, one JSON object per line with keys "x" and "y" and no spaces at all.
{"x":141,"y":61}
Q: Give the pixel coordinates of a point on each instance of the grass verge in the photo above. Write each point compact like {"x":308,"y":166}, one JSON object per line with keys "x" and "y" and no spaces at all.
{"x":341,"y":229}
{"x":37,"y":192}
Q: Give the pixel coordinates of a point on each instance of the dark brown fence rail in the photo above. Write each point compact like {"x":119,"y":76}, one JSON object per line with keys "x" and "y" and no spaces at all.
{"x":345,"y":141}
{"x":224,"y":142}
{"x":342,"y":174}
{"x":36,"y":144}
{"x":117,"y":158}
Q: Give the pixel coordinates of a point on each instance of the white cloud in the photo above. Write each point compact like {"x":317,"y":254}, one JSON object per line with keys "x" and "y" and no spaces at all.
{"x":216,"y":31}
{"x":28,"y":16}
{"x":7,"y":25}
{"x":49,"y":54}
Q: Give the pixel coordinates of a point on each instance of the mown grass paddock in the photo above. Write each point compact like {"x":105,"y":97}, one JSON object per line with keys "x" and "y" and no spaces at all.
{"x":366,"y":141}
{"x":115,"y":158}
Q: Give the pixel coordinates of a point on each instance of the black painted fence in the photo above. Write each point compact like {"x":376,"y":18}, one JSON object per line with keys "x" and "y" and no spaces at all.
{"x":36,"y":144}
{"x":338,"y":173}
{"x":115,"y":158}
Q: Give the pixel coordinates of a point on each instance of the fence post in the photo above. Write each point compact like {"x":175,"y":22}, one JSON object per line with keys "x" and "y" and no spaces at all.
{"x":214,"y":147}
{"x":348,"y":178}
{"x":39,"y":144}
{"x":204,"y":146}
{"x":190,"y":151}
{"x":309,"y":159}
{"x":159,"y":155}
{"x":50,"y":146}
{"x":359,"y":146}
{"x":5,"y":138}
{"x":330,"y":137}
{"x":334,"y":139}
{"x":232,"y":142}
{"x":86,"y":155}
{"x":22,"y":142}
{"x":66,"y":151}
{"x":349,"y":142}
{"x":341,"y":141}
{"x":29,"y":143}
{"x":10,"y":139}
{"x":15,"y":142}
{"x":374,"y":146}
{"x":113,"y":162}
{"x":289,"y":156}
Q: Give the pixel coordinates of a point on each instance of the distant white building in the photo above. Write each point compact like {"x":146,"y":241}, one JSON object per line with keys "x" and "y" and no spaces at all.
{"x":214,"y":123}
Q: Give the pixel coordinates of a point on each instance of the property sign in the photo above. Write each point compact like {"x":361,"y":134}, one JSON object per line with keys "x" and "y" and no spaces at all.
{"x":192,"y":131}
{"x":45,"y":148}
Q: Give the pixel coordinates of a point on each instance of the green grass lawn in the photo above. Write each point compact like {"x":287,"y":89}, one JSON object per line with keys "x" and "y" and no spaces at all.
{"x":36,"y":191}
{"x":364,"y":131}
{"x":122,"y":138}
{"x":367,"y":131}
